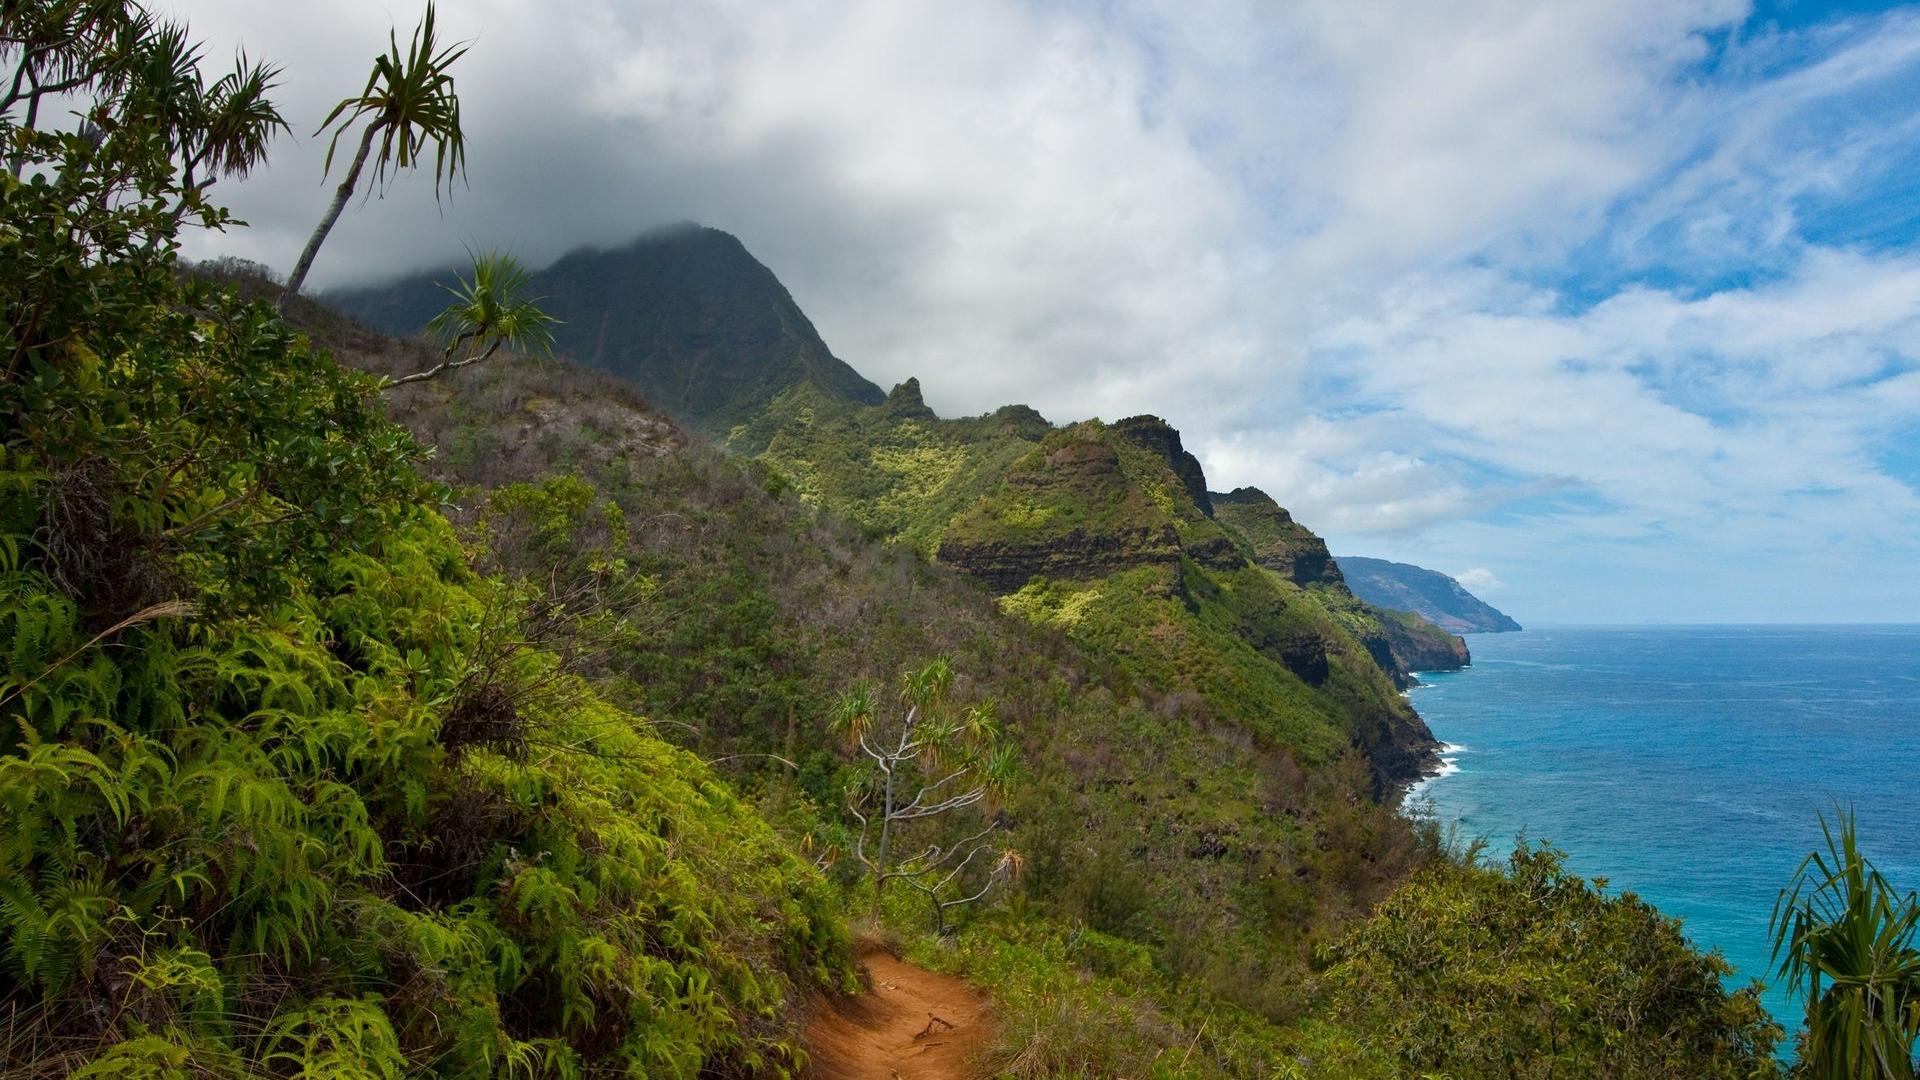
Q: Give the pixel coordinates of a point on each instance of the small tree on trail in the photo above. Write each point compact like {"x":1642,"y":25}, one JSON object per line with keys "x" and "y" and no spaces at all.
{"x":408,"y":102}
{"x":489,"y":309}
{"x":929,"y":760}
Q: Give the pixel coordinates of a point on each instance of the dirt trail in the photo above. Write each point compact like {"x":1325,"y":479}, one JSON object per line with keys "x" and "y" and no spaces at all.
{"x":892,"y":1033}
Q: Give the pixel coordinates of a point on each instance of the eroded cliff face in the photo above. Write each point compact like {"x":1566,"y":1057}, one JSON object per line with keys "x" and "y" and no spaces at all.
{"x":1159,"y":438}
{"x":1005,"y":565}
{"x":1279,"y":543}
{"x":1097,"y":530}
{"x":1400,"y":642}
{"x":1418,"y":645}
{"x":1067,"y":510}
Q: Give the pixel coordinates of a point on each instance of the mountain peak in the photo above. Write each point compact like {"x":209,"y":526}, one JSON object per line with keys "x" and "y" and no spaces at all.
{"x":1153,"y":434}
{"x":684,"y":312}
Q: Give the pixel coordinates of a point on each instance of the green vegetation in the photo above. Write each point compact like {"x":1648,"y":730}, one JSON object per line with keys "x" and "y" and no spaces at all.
{"x":1468,"y":971}
{"x":1847,"y":940}
{"x":934,"y":760}
{"x":288,"y":790}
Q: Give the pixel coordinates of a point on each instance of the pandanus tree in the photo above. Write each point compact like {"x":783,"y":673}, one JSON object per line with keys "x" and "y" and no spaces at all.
{"x":60,"y":47}
{"x":139,"y":73}
{"x":1848,"y":941}
{"x":408,"y":103}
{"x":929,"y":760}
{"x":490,"y":310}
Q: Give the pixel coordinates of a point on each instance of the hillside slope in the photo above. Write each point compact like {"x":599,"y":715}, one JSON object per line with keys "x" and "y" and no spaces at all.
{"x":1399,"y":641}
{"x":1428,"y":593}
{"x":684,"y":314}
{"x":760,"y":610}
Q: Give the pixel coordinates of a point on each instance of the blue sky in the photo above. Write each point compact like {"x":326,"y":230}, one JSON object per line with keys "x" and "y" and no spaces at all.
{"x":1612,"y":308}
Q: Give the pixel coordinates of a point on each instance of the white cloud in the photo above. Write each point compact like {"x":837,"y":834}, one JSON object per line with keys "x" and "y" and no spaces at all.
{"x":1478,"y":580}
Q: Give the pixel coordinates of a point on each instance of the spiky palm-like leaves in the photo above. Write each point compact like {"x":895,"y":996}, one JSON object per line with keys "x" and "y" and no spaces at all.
{"x":142,"y":72}
{"x":1846,"y":939}
{"x":408,"y":102}
{"x":490,"y":309}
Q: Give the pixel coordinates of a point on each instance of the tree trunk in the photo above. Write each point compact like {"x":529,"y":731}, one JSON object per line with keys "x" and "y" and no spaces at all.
{"x":886,"y":836}
{"x":340,"y":197}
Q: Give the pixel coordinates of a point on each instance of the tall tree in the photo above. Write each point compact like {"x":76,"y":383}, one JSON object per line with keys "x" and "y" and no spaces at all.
{"x":408,"y":102}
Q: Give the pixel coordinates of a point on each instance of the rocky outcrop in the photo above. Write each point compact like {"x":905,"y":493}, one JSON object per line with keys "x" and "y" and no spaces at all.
{"x":1280,"y":544}
{"x":1432,"y":650}
{"x":904,"y":402}
{"x":1020,"y":421}
{"x":1007,"y":565}
{"x":1399,"y":642}
{"x":1156,"y":436}
{"x":1400,"y":747}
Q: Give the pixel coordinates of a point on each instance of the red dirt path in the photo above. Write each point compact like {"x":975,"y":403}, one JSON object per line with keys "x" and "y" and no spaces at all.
{"x":889,"y":1034}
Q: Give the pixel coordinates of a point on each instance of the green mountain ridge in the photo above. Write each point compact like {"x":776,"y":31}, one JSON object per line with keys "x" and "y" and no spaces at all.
{"x":684,"y":313}
{"x":1427,"y":593}
{"x":1095,"y":529}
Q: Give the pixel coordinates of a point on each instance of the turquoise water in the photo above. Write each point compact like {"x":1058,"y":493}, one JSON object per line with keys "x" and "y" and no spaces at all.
{"x":1687,"y":764}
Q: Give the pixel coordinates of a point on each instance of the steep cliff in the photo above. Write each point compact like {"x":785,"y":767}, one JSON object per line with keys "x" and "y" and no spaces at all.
{"x":1399,"y":641}
{"x":1279,"y":543}
{"x":1094,"y":529}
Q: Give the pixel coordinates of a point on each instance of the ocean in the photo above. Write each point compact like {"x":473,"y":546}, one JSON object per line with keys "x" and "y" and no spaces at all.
{"x":1688,"y":764}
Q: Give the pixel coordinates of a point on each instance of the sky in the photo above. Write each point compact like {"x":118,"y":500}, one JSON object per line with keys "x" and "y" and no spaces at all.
{"x":1610,"y":309}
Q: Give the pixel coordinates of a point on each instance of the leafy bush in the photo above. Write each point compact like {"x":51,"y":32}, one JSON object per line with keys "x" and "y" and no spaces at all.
{"x":1467,"y":971}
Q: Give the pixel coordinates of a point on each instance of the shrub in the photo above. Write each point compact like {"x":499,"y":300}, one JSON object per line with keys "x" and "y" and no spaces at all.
{"x":1536,"y":972}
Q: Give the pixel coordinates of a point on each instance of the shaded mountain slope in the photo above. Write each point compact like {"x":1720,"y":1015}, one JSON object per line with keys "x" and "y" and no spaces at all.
{"x":1428,"y":593}
{"x":685,"y":314}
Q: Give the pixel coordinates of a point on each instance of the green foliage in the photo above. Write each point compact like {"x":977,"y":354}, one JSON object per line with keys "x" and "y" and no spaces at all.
{"x":243,"y":661}
{"x":1846,"y":940}
{"x":408,"y":102}
{"x":1467,"y":971}
{"x":1077,"y":1003}
{"x":1226,"y":856}
{"x":490,"y":309}
{"x":902,"y":477}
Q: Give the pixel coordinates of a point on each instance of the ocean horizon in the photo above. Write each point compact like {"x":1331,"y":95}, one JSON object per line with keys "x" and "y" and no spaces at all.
{"x":1689,"y":764}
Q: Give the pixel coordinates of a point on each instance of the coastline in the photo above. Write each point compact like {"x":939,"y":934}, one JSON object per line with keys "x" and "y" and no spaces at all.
{"x":1446,"y":763}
